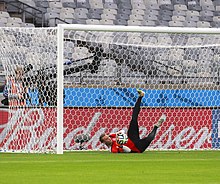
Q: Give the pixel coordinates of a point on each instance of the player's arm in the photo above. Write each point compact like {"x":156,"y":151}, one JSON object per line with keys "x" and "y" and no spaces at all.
{"x":124,"y":149}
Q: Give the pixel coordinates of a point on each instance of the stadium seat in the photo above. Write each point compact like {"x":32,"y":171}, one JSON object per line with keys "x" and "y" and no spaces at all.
{"x":190,"y":24}
{"x":152,"y":7}
{"x":165,"y":17}
{"x":108,"y":16}
{"x":82,"y":4}
{"x":69,"y":4}
{"x":165,"y":40}
{"x":208,"y":7}
{"x":179,"y":2}
{"x":120,"y":22}
{"x":106,"y":22}
{"x":136,"y":17}
{"x":98,"y":11}
{"x":42,"y":4}
{"x":192,"y":18}
{"x":134,"y":23}
{"x":92,"y":21}
{"x":180,"y":7}
{"x":206,"y":3}
{"x":124,"y":11}
{"x":206,"y":18}
{"x":96,"y":4}
{"x":179,"y":13}
{"x":190,"y":13}
{"x":122,"y":16}
{"x":14,"y":20}
{"x":161,"y":2}
{"x":178,"y":18}
{"x":167,"y":7}
{"x":55,"y":10}
{"x":27,"y":25}
{"x":134,"y":39}
{"x":163,"y":23}
{"x":152,"y":12}
{"x":4,"y":14}
{"x":216,"y":19}
{"x":94,"y":16}
{"x":55,"y":5}
{"x":166,"y":12}
{"x":203,"y":24}
{"x":138,"y":11}
{"x":149,"y":40}
{"x":194,"y":7}
{"x":176,"y":24}
{"x":110,"y":11}
{"x":66,"y":10}
{"x":81,"y":13}
{"x":110,"y":5}
{"x":12,"y":24}
{"x":125,"y":5}
{"x":3,"y":20}
{"x":149,"y":23}
{"x":150,"y":17}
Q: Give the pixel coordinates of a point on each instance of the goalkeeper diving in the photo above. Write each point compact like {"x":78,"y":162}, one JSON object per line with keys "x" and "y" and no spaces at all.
{"x":131,"y":142}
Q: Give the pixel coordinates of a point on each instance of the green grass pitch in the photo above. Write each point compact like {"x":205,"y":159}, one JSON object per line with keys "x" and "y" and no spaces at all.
{"x":190,"y":167}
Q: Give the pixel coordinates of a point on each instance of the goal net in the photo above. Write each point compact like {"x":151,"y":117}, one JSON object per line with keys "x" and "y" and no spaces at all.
{"x":97,"y":73}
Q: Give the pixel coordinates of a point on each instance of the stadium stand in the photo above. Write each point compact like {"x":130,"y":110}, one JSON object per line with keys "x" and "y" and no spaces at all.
{"x":173,"y":13}
{"x":201,"y":13}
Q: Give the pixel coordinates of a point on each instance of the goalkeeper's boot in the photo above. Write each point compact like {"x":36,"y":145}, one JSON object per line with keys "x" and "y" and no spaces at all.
{"x":161,"y":120}
{"x":140,"y":92}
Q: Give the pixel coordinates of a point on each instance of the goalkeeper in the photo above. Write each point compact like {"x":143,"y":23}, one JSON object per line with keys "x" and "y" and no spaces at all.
{"x":117,"y":141}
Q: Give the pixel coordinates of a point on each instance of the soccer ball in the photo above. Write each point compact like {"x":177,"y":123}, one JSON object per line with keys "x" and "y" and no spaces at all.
{"x":121,"y":138}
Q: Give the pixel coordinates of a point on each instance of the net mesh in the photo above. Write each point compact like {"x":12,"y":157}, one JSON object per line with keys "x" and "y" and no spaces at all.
{"x":179,"y":74}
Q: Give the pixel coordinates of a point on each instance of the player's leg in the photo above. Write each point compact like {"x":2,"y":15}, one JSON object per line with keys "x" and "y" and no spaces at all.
{"x":142,"y":144}
{"x":133,"y":130}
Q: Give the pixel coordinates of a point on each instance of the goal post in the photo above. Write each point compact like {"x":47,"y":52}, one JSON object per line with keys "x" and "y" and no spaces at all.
{"x":68,"y":85}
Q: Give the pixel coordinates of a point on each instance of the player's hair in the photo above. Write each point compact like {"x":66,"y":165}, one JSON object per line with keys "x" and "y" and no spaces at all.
{"x":101,"y":136}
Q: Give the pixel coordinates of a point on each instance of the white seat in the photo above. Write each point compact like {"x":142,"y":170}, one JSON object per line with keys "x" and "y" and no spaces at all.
{"x":149,"y":40}
{"x":165,"y":40}
{"x":106,"y":22}
{"x":66,"y":16}
{"x":27,"y":25}
{"x":11,"y":24}
{"x":134,"y":23}
{"x":180,"y":7}
{"x":149,"y":23}
{"x":96,"y":4}
{"x":161,"y":2}
{"x":136,"y":17}
{"x":53,"y":10}
{"x":206,"y":13}
{"x":140,"y":6}
{"x":66,"y":10}
{"x":209,"y":7}
{"x":216,"y":18}
{"x":178,"y":18}
{"x":149,"y":2}
{"x":203,"y":24}
{"x":194,"y":41}
{"x":93,"y":21}
{"x":206,"y":3}
{"x":3,"y":20}
{"x":190,"y":24}
{"x":111,"y":11}
{"x":190,"y":13}
{"x":14,"y":20}
{"x":134,"y":40}
{"x":55,"y":5}
{"x":179,"y":13}
{"x":176,"y":24}
{"x":4,"y":14}
{"x":108,"y":16}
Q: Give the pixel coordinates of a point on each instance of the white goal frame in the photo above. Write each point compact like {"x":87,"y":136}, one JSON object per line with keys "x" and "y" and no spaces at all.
{"x":105,"y":28}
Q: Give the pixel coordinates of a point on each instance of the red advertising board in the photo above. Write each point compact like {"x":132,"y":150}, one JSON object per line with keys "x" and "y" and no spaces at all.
{"x":36,"y":128}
